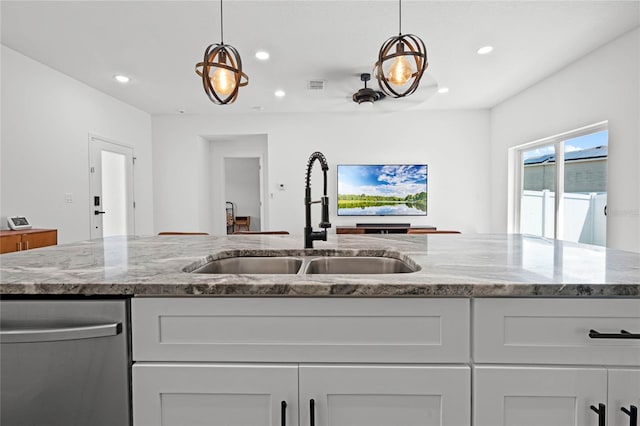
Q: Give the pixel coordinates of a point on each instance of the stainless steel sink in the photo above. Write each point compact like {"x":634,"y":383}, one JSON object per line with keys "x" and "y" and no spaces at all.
{"x":357,"y":265}
{"x":252,"y":265}
{"x":304,"y":262}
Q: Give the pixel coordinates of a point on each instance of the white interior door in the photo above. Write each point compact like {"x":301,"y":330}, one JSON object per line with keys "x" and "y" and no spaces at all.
{"x":112,"y":204}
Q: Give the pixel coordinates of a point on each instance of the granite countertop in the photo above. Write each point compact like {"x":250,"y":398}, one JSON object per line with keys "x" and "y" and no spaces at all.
{"x":463,"y":265}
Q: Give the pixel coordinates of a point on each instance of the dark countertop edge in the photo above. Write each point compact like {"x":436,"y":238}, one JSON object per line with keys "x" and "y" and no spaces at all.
{"x":327,"y":290}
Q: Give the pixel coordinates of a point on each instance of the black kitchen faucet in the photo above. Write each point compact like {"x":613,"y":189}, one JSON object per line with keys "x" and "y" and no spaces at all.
{"x":309,"y":234}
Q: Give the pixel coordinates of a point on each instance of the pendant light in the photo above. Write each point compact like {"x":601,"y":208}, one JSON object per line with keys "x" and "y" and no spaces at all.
{"x":221,"y":71}
{"x":401,"y":62}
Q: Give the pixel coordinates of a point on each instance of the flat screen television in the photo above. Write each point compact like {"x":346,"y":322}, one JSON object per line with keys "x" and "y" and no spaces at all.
{"x":382,"y":190}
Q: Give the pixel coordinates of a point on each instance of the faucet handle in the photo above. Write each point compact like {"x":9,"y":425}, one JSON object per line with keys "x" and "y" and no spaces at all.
{"x":324,"y":222}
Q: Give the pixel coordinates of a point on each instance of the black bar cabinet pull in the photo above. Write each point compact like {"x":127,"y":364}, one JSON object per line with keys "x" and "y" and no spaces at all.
{"x":312,"y":412}
{"x":283,"y":413}
{"x":602,"y":414}
{"x":624,"y":334}
{"x":632,"y":413}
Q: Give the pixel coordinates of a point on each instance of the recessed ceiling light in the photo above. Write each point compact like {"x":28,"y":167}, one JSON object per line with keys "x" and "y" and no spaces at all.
{"x":121,"y":78}
{"x":262,"y":55}
{"x":443,"y":90}
{"x":280,"y":93}
{"x":484,"y":50}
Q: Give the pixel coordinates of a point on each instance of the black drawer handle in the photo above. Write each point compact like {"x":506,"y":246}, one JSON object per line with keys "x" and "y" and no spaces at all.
{"x":312,"y":412}
{"x":632,"y":413}
{"x":624,"y":334}
{"x":283,"y":413}
{"x":602,"y":414}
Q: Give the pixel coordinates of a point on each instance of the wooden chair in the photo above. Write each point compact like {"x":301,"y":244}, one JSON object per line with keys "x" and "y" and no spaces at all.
{"x":429,"y":231}
{"x":261,"y":233}
{"x":182,"y":233}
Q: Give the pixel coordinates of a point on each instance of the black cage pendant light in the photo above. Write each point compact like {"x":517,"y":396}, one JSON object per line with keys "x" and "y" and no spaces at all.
{"x":221,"y":71}
{"x":401,"y":62}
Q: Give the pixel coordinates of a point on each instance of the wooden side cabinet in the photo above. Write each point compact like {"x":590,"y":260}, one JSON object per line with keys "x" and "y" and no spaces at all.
{"x":27,"y":239}
{"x":381,"y":228}
{"x":390,"y":229}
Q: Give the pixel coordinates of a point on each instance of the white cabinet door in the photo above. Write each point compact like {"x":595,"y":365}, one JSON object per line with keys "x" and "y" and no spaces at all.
{"x":214,"y":394}
{"x":533,"y":396}
{"x":375,"y":395}
{"x":624,"y":391}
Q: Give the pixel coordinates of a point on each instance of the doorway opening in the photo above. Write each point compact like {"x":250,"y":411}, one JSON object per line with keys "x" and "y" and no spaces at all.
{"x":111,"y":184}
{"x":238,"y":166}
{"x":242,"y":190}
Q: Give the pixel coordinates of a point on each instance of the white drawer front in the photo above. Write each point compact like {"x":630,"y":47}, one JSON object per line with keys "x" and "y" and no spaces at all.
{"x":553,"y":331}
{"x":300,"y":330}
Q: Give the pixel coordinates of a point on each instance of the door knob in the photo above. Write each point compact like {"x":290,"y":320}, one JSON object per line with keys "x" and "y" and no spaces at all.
{"x":97,"y":212}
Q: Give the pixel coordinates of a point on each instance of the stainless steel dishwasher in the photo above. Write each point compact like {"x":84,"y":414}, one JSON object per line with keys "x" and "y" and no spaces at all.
{"x":64,"y":363}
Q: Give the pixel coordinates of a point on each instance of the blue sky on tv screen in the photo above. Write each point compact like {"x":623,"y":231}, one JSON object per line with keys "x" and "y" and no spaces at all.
{"x":384,"y":180}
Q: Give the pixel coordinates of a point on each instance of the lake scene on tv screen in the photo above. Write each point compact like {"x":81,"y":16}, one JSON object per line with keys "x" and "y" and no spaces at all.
{"x":382,"y":190}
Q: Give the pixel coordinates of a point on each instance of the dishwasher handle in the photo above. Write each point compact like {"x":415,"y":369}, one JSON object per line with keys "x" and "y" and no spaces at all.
{"x":35,"y":335}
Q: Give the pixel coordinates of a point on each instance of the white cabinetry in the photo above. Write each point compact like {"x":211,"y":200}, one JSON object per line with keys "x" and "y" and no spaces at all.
{"x":349,"y":395}
{"x":384,"y":362}
{"x":511,"y":333}
{"x":361,"y":361}
{"x":555,"y":331}
{"x":537,"y":396}
{"x":179,"y":394}
{"x":624,"y":392}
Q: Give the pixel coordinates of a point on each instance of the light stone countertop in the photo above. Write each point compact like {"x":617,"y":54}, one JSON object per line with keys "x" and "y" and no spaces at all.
{"x":461,"y":265}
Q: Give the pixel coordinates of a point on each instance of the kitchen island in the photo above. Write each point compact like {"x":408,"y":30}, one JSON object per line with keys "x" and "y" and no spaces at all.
{"x":489,"y":330}
{"x":481,"y":265}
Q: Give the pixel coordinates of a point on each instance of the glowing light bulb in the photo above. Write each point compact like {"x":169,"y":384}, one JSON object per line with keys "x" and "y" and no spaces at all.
{"x":223,"y":81}
{"x":399,"y":72}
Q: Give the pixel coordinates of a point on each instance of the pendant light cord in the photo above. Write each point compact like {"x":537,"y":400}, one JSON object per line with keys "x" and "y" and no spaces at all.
{"x":221,"y":29}
{"x":399,"y":17}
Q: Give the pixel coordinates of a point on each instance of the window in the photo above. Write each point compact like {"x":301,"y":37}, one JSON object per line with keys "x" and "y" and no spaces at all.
{"x":574,"y":167}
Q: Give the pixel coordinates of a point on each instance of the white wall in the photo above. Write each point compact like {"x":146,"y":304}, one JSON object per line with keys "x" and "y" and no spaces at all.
{"x":455,"y":145}
{"x":603,"y":85}
{"x":242,"y":187}
{"x":46,"y":121}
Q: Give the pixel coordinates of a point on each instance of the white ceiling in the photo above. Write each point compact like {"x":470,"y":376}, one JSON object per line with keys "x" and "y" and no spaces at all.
{"x":157,"y":43}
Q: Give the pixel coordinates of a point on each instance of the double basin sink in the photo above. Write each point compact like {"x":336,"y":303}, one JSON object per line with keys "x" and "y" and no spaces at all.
{"x":304,"y":262}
